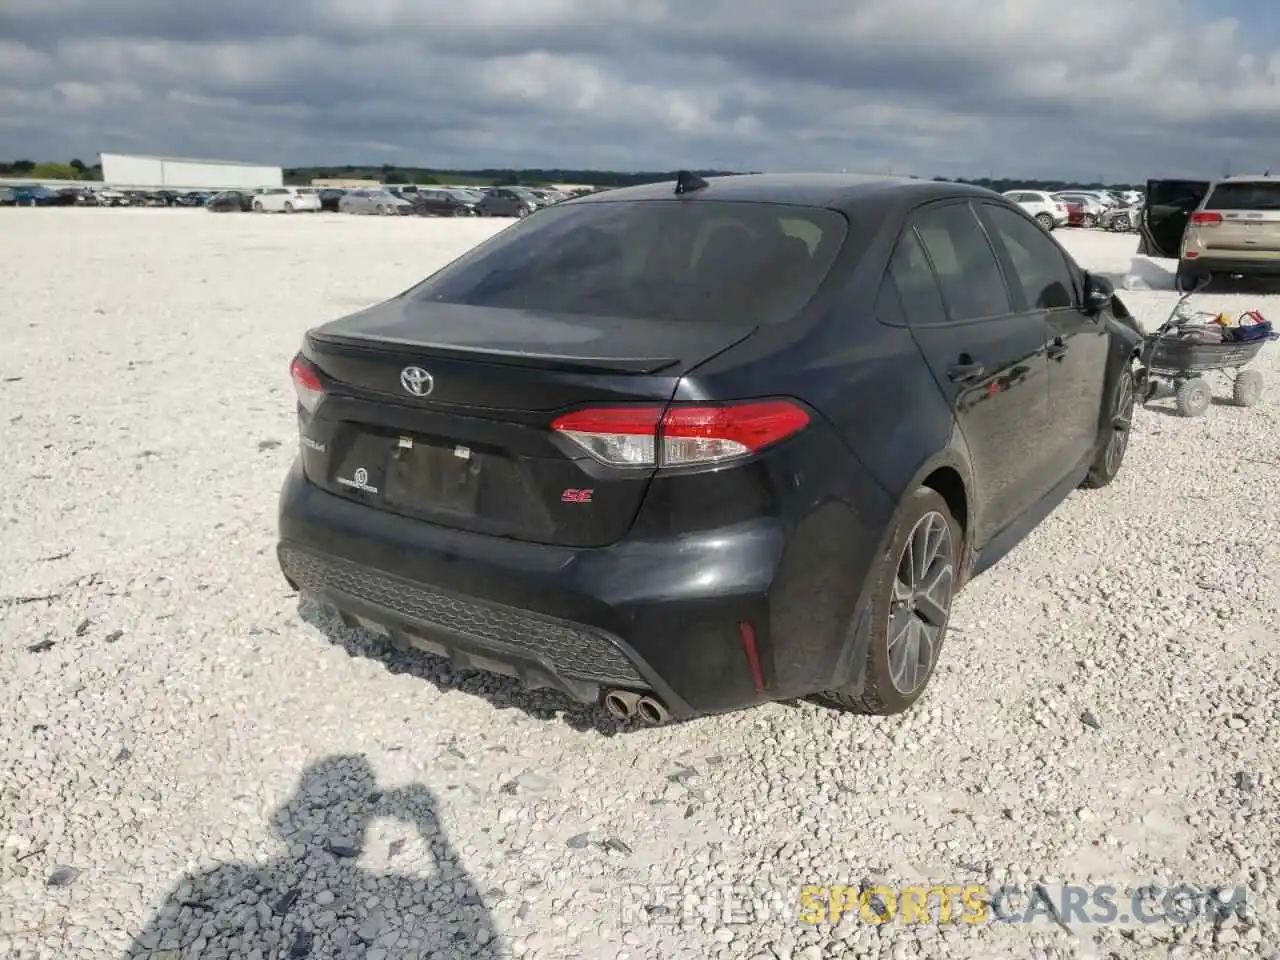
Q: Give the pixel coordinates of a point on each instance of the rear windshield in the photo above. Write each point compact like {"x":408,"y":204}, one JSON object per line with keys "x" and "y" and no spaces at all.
{"x":1259,"y":195}
{"x":662,"y":260}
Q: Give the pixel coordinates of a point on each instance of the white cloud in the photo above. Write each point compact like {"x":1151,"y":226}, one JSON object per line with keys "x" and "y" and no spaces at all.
{"x":1029,"y":87}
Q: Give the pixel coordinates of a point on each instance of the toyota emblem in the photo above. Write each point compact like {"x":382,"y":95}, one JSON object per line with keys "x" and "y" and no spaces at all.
{"x":417,"y":381}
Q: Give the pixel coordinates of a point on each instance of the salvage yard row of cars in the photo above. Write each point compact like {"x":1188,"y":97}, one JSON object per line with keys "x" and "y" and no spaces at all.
{"x":390,"y":201}
{"x":1113,"y":210}
{"x":513,"y":201}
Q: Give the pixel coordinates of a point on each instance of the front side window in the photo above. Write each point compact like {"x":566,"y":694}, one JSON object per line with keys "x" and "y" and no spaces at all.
{"x":1039,"y":268}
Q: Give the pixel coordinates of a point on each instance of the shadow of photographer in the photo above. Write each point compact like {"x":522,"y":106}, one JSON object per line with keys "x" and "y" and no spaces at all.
{"x":317,"y":901}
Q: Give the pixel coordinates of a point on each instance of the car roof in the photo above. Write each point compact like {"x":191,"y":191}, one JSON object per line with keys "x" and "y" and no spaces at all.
{"x":834,"y":190}
{"x":1248,"y":178}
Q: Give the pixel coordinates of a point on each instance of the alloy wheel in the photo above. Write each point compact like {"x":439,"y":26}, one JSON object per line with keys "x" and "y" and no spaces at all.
{"x":1121,"y":423}
{"x":921,"y":604}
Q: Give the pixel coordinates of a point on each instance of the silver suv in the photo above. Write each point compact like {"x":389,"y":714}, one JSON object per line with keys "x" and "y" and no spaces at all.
{"x":1228,"y":227}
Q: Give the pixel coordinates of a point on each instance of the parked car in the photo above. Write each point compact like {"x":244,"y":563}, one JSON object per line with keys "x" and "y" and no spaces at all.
{"x":1220,"y":228}
{"x":466,"y":194}
{"x":230,"y":201}
{"x":685,"y":456}
{"x":330,"y":198}
{"x":1121,"y":219}
{"x":37,"y":196}
{"x":8,"y":197}
{"x":441,"y":203}
{"x":1091,"y":208}
{"x":286,"y":200}
{"x":374,"y":201}
{"x":1048,"y":212}
{"x":505,"y":202}
{"x":545,"y":197}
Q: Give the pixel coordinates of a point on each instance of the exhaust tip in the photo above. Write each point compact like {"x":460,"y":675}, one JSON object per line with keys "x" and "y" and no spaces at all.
{"x":620,"y":704}
{"x":652,"y":711}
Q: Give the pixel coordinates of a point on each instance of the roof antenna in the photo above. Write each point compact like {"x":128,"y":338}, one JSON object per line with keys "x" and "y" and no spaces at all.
{"x":687,"y":182}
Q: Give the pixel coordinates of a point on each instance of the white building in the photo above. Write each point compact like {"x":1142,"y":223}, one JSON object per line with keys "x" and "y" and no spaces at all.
{"x":128,"y":170}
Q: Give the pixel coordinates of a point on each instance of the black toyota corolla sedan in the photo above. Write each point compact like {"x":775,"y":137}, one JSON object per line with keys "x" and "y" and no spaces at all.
{"x":684,"y":448}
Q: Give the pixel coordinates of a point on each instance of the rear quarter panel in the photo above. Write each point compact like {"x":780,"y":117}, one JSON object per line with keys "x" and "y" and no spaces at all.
{"x":884,"y":426}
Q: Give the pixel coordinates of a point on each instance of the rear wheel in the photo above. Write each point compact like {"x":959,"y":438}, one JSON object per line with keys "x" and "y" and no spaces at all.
{"x":1193,"y":397}
{"x":915,"y":583}
{"x":1119,"y":427}
{"x":288,"y":207}
{"x":257,"y":206}
{"x":1044,"y":220}
{"x":1190,"y":279}
{"x":1247,"y":389}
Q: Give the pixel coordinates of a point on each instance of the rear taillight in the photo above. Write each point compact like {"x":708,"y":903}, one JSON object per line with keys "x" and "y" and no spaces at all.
{"x":618,"y":436}
{"x":684,"y":436}
{"x":1206,"y":218}
{"x":306,"y":383}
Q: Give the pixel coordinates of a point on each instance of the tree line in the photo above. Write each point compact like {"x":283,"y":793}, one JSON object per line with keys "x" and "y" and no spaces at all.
{"x":77,"y":169}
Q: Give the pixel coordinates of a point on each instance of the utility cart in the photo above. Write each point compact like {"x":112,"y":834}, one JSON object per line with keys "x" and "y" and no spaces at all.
{"x":1173,"y":357}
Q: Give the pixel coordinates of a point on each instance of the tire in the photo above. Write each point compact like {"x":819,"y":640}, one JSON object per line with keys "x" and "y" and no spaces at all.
{"x":1111,"y":451}
{"x":881,"y":694}
{"x":1193,"y":397}
{"x":257,"y":206}
{"x":288,"y":207}
{"x":1188,"y":279}
{"x":1247,"y":389}
{"x":1088,"y":221}
{"x":1044,"y":220}
{"x":521,"y":213}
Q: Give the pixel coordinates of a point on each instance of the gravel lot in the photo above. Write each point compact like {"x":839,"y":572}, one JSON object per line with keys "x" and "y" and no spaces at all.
{"x":192,"y":765}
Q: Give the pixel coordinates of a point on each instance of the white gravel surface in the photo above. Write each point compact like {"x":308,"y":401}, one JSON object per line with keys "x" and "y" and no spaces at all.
{"x":192,"y":766}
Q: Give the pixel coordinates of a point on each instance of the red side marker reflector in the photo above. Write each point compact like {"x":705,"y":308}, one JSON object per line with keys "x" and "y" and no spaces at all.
{"x":748,"y":633}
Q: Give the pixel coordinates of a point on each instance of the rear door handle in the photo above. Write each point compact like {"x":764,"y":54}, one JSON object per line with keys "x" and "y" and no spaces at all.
{"x":1056,"y":348}
{"x":965,"y":372}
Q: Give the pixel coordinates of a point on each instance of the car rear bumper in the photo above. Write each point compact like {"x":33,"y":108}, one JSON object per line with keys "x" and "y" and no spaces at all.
{"x":659,"y":616}
{"x":1246,"y":267}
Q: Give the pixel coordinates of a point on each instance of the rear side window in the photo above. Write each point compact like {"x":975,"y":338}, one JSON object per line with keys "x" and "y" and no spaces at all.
{"x":912,"y":278}
{"x":698,"y":261}
{"x":966,"y":267}
{"x":1037,"y":263}
{"x":1256,"y":195}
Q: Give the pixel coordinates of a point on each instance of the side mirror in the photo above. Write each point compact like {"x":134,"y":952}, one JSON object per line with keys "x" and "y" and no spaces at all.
{"x":1098,"y":292}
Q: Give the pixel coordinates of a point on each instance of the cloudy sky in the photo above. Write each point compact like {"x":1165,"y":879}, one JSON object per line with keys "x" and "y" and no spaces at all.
{"x":1123,"y":89}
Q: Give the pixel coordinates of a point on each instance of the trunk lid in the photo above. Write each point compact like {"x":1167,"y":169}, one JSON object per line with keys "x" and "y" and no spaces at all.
{"x":474,"y":451}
